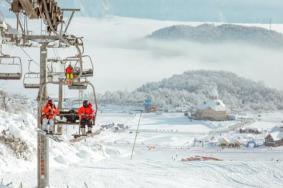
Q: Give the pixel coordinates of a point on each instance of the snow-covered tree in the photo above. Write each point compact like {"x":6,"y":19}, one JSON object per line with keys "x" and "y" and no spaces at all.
{"x":195,"y":87}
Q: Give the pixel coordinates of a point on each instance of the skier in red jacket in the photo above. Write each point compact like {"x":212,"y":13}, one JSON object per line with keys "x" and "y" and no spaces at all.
{"x":86,"y":115}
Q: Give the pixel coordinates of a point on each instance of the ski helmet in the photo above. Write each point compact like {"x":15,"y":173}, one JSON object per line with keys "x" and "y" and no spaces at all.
{"x":49,"y":99}
{"x":85,"y":103}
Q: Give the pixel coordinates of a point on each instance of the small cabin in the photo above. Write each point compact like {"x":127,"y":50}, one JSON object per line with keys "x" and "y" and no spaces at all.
{"x":213,"y":110}
{"x":274,"y":138}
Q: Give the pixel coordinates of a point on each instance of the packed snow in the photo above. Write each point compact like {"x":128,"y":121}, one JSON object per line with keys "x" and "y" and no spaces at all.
{"x":163,"y":141}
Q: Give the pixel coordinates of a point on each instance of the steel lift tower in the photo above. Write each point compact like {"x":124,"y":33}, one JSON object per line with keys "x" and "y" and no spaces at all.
{"x":55,"y":36}
{"x":42,"y":141}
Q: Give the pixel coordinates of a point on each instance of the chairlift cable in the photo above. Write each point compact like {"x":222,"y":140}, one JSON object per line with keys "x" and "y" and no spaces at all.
{"x":29,"y":62}
{"x":55,"y":53}
{"x":30,"y":58}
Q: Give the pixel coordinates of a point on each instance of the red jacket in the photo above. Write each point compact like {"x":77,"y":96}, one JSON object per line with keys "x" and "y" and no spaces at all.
{"x":86,"y":113}
{"x":50,"y":111}
{"x":69,"y":70}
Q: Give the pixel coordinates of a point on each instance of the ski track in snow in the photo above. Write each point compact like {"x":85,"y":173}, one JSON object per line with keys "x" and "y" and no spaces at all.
{"x":125,"y":173}
{"x":103,"y":161}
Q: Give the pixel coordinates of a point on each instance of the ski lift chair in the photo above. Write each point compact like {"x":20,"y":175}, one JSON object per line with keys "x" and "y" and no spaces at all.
{"x":32,"y":80}
{"x":10,"y":61}
{"x":70,"y":114}
{"x":86,"y":66}
{"x":87,"y":71}
{"x":68,"y":117}
{"x":78,"y":86}
{"x":52,"y":71}
{"x":93,"y":100}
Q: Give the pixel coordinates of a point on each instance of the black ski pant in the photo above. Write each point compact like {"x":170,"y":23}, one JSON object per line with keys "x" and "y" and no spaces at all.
{"x":86,"y":122}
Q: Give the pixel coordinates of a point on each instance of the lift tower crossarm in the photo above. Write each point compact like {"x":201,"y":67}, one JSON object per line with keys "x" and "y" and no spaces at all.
{"x":34,"y":9}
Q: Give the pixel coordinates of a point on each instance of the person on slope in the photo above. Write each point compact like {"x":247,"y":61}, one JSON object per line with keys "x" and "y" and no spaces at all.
{"x":49,"y":111}
{"x":86,"y":115}
{"x":69,"y":71}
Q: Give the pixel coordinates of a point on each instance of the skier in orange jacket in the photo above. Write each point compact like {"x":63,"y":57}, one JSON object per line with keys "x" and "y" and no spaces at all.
{"x":49,"y":111}
{"x":86,"y":115}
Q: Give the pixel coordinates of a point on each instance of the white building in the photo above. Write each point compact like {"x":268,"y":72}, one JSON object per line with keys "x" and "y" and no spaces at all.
{"x":214,"y":110}
{"x":275,"y":137}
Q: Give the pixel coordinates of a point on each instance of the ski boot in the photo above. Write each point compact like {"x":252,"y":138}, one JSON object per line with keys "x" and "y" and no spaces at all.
{"x":89,"y":131}
{"x":83,"y":132}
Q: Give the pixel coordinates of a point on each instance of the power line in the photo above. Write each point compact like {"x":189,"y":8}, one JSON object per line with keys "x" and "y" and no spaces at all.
{"x":55,"y":53}
{"x":27,"y":54}
{"x":30,"y":58}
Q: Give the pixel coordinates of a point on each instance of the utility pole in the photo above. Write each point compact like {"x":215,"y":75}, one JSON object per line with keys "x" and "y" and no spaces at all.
{"x":42,"y":147}
{"x":136,"y":136}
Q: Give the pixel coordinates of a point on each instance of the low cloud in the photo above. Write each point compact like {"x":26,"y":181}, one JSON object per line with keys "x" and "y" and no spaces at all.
{"x":125,"y":59}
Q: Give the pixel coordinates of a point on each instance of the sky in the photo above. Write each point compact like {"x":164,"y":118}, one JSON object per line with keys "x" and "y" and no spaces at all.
{"x":240,"y":11}
{"x":243,"y":11}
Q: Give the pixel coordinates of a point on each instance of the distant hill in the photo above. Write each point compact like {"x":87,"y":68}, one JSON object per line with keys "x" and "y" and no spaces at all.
{"x":195,"y":87}
{"x":209,"y":33}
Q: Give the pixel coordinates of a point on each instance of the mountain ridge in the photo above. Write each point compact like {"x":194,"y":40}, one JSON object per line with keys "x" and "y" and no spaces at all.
{"x":194,"y":87}
{"x":210,"y":33}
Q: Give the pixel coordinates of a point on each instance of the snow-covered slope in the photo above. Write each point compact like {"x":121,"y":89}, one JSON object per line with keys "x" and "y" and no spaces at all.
{"x":104,"y":161}
{"x":13,"y":127}
{"x":164,"y":139}
{"x":209,"y":33}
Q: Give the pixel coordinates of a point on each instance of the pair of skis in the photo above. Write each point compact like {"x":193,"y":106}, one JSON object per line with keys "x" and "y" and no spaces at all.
{"x":76,"y":138}
{"x":79,"y":137}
